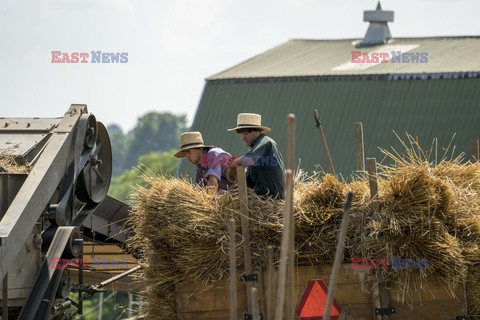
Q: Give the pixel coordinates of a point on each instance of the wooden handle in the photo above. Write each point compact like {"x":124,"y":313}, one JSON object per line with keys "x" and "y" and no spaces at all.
{"x":233,"y":269}
{"x":282,"y":270}
{"x":338,"y":255}
{"x":317,"y":120}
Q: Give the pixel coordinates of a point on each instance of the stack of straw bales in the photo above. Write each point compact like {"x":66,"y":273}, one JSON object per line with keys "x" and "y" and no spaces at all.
{"x":424,"y":212}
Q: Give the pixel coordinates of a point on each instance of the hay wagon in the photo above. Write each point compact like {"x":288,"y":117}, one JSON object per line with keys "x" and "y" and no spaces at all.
{"x":357,"y":299}
{"x":428,"y":214}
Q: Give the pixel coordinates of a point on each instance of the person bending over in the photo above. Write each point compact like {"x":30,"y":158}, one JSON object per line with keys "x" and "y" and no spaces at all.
{"x":211,"y":162}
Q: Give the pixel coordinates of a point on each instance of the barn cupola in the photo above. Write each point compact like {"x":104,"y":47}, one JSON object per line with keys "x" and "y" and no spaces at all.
{"x":378,"y":31}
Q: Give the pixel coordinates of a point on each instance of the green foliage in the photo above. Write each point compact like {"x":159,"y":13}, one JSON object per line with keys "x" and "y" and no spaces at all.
{"x":119,"y":148}
{"x":154,"y":162}
{"x":164,"y":163}
{"x":150,"y":147}
{"x":154,"y":132}
{"x":115,"y":306}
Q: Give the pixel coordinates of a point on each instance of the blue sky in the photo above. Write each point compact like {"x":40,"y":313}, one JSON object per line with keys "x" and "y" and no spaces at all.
{"x":173,"y":45}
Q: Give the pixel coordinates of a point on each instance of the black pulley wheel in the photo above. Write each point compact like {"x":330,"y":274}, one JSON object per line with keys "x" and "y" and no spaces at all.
{"x":90,"y":132}
{"x":74,"y":246}
{"x":94,"y":180}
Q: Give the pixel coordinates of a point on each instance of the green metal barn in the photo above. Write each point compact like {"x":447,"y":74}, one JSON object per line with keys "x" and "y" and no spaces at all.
{"x":428,"y":87}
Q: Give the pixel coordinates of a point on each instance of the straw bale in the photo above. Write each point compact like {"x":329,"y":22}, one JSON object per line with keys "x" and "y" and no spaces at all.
{"x":424,"y":212}
{"x":473,"y":292}
{"x":182,"y":233}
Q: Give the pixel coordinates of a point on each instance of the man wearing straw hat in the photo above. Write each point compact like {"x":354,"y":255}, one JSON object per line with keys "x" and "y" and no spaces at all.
{"x":264,"y":161}
{"x":210,"y":161}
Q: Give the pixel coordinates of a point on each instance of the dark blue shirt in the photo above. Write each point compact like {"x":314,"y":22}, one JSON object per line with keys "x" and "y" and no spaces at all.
{"x":266,"y":175}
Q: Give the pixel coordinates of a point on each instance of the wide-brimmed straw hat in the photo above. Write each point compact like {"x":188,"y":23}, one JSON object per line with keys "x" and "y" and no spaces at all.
{"x":249,"y":121}
{"x":189,"y":140}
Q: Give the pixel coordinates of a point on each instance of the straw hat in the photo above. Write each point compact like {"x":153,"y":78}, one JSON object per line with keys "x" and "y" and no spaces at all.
{"x":249,"y":120}
{"x":189,"y":140}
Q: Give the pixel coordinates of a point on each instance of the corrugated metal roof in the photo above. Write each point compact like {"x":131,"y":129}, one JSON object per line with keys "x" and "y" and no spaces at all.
{"x":298,"y":58}
{"x":423,"y":108}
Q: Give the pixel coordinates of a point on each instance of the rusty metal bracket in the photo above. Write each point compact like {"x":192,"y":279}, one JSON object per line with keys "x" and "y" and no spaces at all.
{"x":249,"y":277}
{"x":247,"y":316}
{"x":384,"y":311}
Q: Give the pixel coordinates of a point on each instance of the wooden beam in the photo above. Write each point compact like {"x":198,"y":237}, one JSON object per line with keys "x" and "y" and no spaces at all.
{"x":195,"y":302}
{"x":270,"y":283}
{"x":233,"y":269}
{"x":255,"y":310}
{"x":282,"y":270}
{"x":474,"y":148}
{"x":290,"y":290}
{"x":245,"y":223}
{"x":372,"y":177}
{"x":324,"y":141}
{"x":338,"y":255}
{"x":291,"y":142}
{"x":382,"y":300}
{"x":359,"y":148}
{"x":373,"y":181}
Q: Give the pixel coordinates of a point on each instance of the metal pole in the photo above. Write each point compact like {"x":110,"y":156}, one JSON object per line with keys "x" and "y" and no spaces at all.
{"x":338,"y":255}
{"x":5,"y":203}
{"x":118,"y":277}
{"x":324,"y":141}
{"x":80,"y":277}
{"x":130,"y":305}
{"x":233,"y":270}
{"x":100,"y":306}
{"x":5,"y":297}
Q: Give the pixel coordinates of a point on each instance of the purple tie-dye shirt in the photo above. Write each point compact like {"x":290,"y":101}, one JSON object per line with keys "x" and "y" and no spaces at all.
{"x":216,"y":168}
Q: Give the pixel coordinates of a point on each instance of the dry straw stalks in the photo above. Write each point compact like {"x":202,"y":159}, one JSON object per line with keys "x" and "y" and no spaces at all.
{"x":9,"y":165}
{"x":425,"y":211}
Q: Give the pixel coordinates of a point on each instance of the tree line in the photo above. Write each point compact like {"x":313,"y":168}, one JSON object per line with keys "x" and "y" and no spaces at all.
{"x":150,"y":146}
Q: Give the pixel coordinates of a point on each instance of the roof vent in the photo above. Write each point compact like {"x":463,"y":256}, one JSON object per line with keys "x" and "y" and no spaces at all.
{"x":378,"y":31}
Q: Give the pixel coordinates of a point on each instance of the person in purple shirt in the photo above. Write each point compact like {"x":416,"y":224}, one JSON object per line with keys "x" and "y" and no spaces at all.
{"x":211,"y":162}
